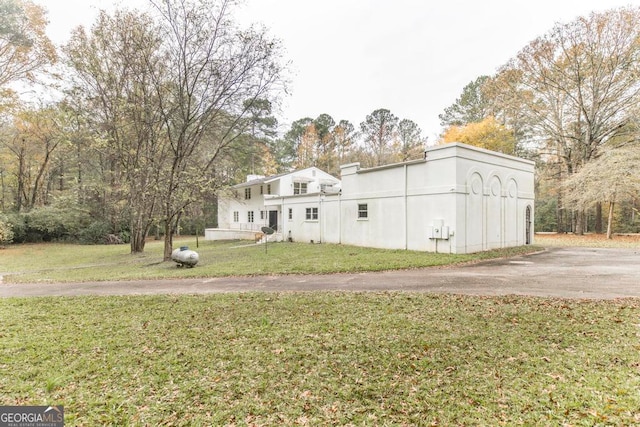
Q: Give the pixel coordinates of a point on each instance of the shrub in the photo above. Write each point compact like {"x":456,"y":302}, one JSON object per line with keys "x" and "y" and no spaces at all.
{"x":546,"y":214}
{"x":94,"y":233}
{"x":6,"y":231}
{"x":45,"y":223}
{"x":18,"y":227}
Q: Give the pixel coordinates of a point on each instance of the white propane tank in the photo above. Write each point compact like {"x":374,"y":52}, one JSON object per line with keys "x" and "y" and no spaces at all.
{"x":184,"y":256}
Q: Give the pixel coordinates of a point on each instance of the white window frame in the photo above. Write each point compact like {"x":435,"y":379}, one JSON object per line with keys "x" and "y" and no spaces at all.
{"x":363,"y":211}
{"x":300,"y":188}
{"x":311,"y":214}
{"x":250,"y":216}
{"x":236,"y":216}
{"x":247,"y":193}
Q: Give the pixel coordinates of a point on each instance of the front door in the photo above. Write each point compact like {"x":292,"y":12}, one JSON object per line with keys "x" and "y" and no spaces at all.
{"x":273,"y":220}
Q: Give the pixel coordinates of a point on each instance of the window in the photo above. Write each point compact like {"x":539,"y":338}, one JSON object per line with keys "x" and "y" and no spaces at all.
{"x":261,"y":190}
{"x":363,"y":212}
{"x":268,"y":188}
{"x":250,"y":216}
{"x":236,"y":216}
{"x":312,"y":213}
{"x":290,"y":213}
{"x":261,"y":213}
{"x":247,"y":193}
{"x":324,"y":187}
{"x":299,"y":188}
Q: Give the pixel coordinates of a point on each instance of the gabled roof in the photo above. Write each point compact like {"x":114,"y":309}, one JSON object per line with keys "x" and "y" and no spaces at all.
{"x":262,"y":180}
{"x":272,"y":178}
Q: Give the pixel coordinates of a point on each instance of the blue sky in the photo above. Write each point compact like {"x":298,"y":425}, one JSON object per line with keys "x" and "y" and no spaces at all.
{"x":350,"y":57}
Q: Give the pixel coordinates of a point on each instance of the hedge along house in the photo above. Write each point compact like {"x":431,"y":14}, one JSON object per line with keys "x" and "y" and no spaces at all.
{"x":457,"y":199}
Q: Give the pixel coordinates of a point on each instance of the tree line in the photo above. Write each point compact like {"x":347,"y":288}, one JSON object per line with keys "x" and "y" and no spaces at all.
{"x":381,"y":138}
{"x":153,"y":114}
{"x":569,"y":100}
{"x":148,"y":115}
{"x":149,"y":103}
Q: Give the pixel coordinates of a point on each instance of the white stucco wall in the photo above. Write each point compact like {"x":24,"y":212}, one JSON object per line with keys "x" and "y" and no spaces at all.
{"x":478,"y":196}
{"x":475,"y":199}
{"x":498,"y":190}
{"x":411,"y":196}
{"x":301,"y":229}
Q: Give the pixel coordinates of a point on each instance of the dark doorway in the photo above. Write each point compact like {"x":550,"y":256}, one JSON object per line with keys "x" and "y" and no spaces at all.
{"x":273,"y":220}
{"x":527,"y":226}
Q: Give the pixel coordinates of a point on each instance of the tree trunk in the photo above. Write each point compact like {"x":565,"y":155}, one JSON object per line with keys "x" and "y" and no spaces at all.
{"x":560,"y":226}
{"x":598,"y":227}
{"x":137,"y":240}
{"x":168,"y":240}
{"x":20,"y":193}
{"x":2,"y":205}
{"x":610,"y":220}
{"x":579,"y":223}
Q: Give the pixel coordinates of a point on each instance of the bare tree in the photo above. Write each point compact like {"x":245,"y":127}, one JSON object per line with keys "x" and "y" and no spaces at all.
{"x":213,"y":69}
{"x":116,"y":67}
{"x":611,"y":178}
{"x":577,"y":85}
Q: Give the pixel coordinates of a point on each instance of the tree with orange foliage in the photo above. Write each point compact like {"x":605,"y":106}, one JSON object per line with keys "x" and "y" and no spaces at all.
{"x":488,"y":134}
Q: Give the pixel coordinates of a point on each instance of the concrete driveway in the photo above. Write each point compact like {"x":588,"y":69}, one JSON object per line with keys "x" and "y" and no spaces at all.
{"x":556,"y":272}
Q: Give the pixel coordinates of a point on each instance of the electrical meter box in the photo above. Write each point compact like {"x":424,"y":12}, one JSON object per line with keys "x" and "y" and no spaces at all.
{"x":438,"y":230}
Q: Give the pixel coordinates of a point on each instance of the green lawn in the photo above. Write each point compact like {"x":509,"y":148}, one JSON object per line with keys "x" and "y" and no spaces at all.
{"x":323,"y":359}
{"x":66,"y":262}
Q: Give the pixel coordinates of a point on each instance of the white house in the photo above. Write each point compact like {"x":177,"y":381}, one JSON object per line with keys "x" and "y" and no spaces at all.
{"x":458,"y":199}
{"x":246,"y":212}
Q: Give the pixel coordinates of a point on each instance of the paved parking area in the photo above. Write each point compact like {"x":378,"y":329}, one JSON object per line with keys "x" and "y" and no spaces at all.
{"x":600,"y":273}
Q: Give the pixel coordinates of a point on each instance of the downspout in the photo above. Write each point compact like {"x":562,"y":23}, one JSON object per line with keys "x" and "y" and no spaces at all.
{"x":320,"y":216}
{"x":340,"y":217}
{"x":406,"y":210}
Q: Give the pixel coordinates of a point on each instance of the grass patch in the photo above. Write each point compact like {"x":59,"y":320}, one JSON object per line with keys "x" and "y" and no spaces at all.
{"x":323,"y":359}
{"x":73,"y":263}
